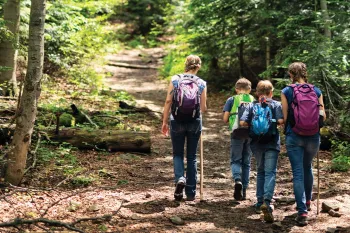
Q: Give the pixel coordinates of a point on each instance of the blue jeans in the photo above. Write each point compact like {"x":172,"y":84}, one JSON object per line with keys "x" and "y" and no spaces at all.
{"x":266,"y":166}
{"x":301,"y":150}
{"x":190,"y":131}
{"x":240,"y":160}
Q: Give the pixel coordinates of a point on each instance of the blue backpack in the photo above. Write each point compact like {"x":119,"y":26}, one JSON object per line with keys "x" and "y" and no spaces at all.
{"x":263,"y":127}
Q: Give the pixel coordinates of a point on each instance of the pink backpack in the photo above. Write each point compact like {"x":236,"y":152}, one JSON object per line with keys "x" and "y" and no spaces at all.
{"x":305,"y":110}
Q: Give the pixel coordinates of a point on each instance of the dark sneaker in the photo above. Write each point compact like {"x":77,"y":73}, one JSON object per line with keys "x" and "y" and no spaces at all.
{"x":190,"y":198}
{"x":238,"y":191}
{"x":244,"y":196}
{"x":180,"y":185}
{"x":257,"y":208}
{"x":267,"y":211}
{"x":301,"y":220}
{"x":308,"y":205}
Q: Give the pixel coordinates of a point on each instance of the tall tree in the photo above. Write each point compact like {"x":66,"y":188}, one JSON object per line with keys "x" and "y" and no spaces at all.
{"x":326,"y":19}
{"x":8,"y":48}
{"x":26,"y":115}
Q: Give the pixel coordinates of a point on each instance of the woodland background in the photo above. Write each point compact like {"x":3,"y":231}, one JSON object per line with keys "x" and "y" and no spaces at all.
{"x":256,"y":39}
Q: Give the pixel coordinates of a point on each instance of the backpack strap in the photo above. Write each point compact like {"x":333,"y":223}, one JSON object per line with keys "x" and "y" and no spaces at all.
{"x":236,"y":101}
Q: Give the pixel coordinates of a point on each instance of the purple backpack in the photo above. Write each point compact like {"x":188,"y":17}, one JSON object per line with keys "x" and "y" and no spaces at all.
{"x":186,"y":99}
{"x":304,"y":110}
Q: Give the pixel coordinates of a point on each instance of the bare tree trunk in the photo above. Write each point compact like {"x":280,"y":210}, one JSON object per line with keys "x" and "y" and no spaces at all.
{"x":268,"y":53}
{"x":8,"y":48}
{"x":17,"y":156}
{"x":241,"y":51}
{"x":326,"y":19}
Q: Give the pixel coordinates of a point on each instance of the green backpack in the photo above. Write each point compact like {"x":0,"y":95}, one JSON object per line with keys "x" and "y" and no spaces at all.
{"x":240,"y":101}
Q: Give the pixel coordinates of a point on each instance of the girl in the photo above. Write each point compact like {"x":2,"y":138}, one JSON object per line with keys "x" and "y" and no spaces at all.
{"x":189,"y":130}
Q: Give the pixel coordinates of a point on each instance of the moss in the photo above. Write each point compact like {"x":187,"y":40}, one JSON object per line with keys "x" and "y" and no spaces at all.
{"x":67,"y":120}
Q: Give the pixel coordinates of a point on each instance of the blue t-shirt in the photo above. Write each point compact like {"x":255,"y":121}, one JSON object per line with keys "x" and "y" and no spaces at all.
{"x":276,"y":107}
{"x":288,"y":92}
{"x":228,"y":104}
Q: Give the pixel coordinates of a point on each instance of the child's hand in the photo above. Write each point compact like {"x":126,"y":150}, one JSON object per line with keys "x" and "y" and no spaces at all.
{"x":165,"y":129}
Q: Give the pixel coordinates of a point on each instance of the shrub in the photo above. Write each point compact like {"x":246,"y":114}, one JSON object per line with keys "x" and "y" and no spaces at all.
{"x":341,"y":156}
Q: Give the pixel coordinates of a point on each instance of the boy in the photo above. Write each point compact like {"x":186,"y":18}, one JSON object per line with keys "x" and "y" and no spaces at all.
{"x":240,"y":146}
{"x":265,"y":146}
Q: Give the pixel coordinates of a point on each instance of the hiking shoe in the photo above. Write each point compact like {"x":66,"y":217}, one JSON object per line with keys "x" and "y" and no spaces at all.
{"x":190,"y":198}
{"x":257,"y":208}
{"x":267,"y":211}
{"x":244,"y":196}
{"x":308,"y":205}
{"x":180,"y":185}
{"x":238,"y":190}
{"x":301,"y":220}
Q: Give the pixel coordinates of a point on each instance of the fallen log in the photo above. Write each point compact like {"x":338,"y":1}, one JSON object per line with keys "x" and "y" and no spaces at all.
{"x":131,"y":66}
{"x":118,"y":140}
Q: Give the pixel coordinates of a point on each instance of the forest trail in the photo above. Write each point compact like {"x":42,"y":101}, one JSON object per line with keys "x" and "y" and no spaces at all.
{"x":137,"y":189}
{"x":153,"y":201}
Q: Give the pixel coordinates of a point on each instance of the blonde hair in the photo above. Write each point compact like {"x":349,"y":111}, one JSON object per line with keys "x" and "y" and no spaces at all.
{"x":264,"y":87}
{"x":192,"y":62}
{"x":298,"y":71}
{"x":243,"y":84}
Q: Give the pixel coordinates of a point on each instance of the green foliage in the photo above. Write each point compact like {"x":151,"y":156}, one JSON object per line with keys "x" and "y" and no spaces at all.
{"x":62,"y":155}
{"x":82,"y":181}
{"x":344,"y":120}
{"x":5,"y":34}
{"x":122,"y":96}
{"x":67,"y":120}
{"x":145,"y":14}
{"x":341,"y":156}
{"x":234,"y":38}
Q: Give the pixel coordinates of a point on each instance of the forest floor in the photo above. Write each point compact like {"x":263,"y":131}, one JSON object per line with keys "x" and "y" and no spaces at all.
{"x":138,"y":192}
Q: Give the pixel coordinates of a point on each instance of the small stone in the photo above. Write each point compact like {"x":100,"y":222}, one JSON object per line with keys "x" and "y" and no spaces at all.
{"x":94,"y":208}
{"x":148,"y":195}
{"x":135,"y":217}
{"x":177,"y":220}
{"x":329,"y":205}
{"x":277,"y":225}
{"x":333,"y":213}
{"x":73,"y":206}
{"x":333,"y":230}
{"x":288,"y":200}
{"x":219,"y":175}
{"x":122,"y":224}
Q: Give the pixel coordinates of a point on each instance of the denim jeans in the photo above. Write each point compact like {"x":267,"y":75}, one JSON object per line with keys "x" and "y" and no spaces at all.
{"x":266,"y":166}
{"x":301,"y":150}
{"x":189,"y":131}
{"x":240,"y":160}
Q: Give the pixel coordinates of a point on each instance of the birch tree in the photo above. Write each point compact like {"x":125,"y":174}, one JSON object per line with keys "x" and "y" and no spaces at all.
{"x":8,"y":48}
{"x":19,"y":146}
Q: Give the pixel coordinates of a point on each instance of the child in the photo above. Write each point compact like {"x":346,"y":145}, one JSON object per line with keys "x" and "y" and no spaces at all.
{"x":240,"y":146}
{"x":265,"y":144}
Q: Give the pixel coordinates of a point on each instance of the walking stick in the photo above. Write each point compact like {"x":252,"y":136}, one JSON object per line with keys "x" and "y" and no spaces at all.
{"x":201,"y":175}
{"x":318,"y":182}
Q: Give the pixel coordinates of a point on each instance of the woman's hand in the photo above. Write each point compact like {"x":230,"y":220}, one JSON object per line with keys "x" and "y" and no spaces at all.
{"x":165,"y":129}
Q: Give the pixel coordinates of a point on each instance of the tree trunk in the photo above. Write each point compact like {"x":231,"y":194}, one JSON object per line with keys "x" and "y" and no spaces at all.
{"x":8,"y":48}
{"x":326,"y":19}
{"x":17,"y":156}
{"x":110,"y":140}
{"x":240,"y":47}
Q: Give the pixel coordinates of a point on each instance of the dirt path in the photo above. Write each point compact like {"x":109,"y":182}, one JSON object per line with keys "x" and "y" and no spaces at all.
{"x":143,"y":184}
{"x":152,"y":197}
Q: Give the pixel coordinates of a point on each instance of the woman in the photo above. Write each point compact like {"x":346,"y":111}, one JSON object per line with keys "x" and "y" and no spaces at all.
{"x":188,"y":129}
{"x":301,"y":149}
